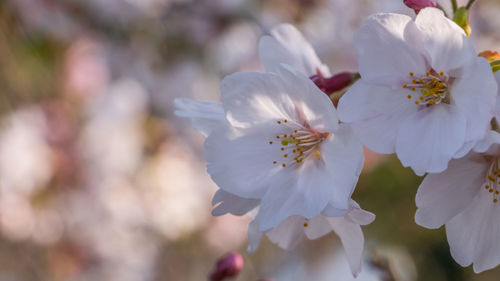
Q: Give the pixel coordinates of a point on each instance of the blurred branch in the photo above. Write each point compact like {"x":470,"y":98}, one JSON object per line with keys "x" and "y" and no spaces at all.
{"x":469,"y":4}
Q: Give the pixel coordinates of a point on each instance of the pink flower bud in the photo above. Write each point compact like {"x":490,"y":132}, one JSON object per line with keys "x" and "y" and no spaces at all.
{"x":335,"y":83}
{"x":418,"y":5}
{"x":228,"y":266}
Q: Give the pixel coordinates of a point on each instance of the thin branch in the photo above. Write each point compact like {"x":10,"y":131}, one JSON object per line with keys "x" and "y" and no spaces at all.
{"x":442,"y":9}
{"x":469,"y":4}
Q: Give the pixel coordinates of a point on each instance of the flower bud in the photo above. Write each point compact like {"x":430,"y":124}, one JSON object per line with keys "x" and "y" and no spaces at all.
{"x":418,"y":5}
{"x":228,"y":266}
{"x":335,"y":83}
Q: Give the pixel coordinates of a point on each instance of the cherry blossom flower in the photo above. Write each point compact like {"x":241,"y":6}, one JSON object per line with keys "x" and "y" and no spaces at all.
{"x":282,"y":143}
{"x":423,"y":93}
{"x":346,"y":225}
{"x":465,"y":199}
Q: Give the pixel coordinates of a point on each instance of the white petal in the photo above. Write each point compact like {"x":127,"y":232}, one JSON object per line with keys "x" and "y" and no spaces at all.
{"x":316,"y":106}
{"x":205,"y":116}
{"x":445,"y":41}
{"x":251,"y":98}
{"x":287,"y":45}
{"x":428,"y":139}
{"x":230,"y":203}
{"x":256,"y":98}
{"x":343,"y":157}
{"x":317,"y":227}
{"x":490,"y":142}
{"x":241,"y":161}
{"x":466,"y":147}
{"x":375,"y":113}
{"x":473,"y":235}
{"x":442,"y":196}
{"x":254,"y":236}
{"x":361,"y":216}
{"x":304,"y":191}
{"x":474,"y":93}
{"x":388,"y":49}
{"x":289,"y":233}
{"x":352,"y":239}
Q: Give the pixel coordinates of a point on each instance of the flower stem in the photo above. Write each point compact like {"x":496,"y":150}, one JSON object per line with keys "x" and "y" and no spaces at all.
{"x":454,"y":5}
{"x":469,"y":4}
{"x":442,"y":9}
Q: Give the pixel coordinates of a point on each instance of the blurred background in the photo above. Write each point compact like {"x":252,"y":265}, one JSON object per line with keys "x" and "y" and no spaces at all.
{"x":98,"y":179}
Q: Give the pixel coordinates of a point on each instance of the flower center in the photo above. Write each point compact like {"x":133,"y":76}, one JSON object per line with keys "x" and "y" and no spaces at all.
{"x":493,"y":181}
{"x":300,"y":143}
{"x":428,"y":89}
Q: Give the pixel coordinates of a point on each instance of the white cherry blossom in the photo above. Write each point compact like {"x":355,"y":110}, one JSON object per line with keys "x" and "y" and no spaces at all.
{"x":423,"y":93}
{"x":282,"y":144}
{"x":465,"y":199}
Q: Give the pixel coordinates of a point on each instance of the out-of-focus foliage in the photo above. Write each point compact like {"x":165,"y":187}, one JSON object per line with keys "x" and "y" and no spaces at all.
{"x":98,"y":179}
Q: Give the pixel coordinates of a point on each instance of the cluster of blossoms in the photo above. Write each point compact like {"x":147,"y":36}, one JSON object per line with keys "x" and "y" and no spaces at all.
{"x":283,"y":151}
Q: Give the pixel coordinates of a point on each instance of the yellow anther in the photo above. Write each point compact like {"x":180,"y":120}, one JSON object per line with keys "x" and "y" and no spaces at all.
{"x":295,"y":131}
{"x":306,"y":224}
{"x":286,"y":155}
{"x":421,"y":80}
{"x":270,"y":142}
{"x":405,"y":86}
{"x":491,"y":190}
{"x":277,"y":137}
{"x":421,"y":98}
{"x":427,"y":73}
{"x":285,"y":135}
{"x":274,"y":162}
{"x":279,"y":122}
{"x":282,"y":148}
{"x":409,"y":96}
{"x":496,"y":192}
{"x":411,"y":73}
{"x":432,"y":102}
{"x":487,"y":186}
{"x":413,"y":88}
{"x":434,"y":79}
{"x":441,"y":73}
{"x":283,"y":165}
{"x":414,"y":81}
{"x":285,"y":120}
{"x":495,"y":200}
{"x":416,"y":102}
{"x":491,"y":178}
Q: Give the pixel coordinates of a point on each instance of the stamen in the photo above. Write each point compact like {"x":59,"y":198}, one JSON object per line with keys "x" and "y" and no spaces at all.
{"x":306,"y":142}
{"x":431,"y":88}
{"x":492,"y":180}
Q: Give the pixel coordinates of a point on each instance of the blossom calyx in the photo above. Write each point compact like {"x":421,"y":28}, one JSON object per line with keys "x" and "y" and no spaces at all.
{"x":461,"y":17}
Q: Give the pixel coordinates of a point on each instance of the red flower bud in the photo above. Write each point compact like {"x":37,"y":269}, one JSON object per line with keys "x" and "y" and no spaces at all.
{"x":335,"y":83}
{"x":228,"y":266}
{"x":418,"y":5}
